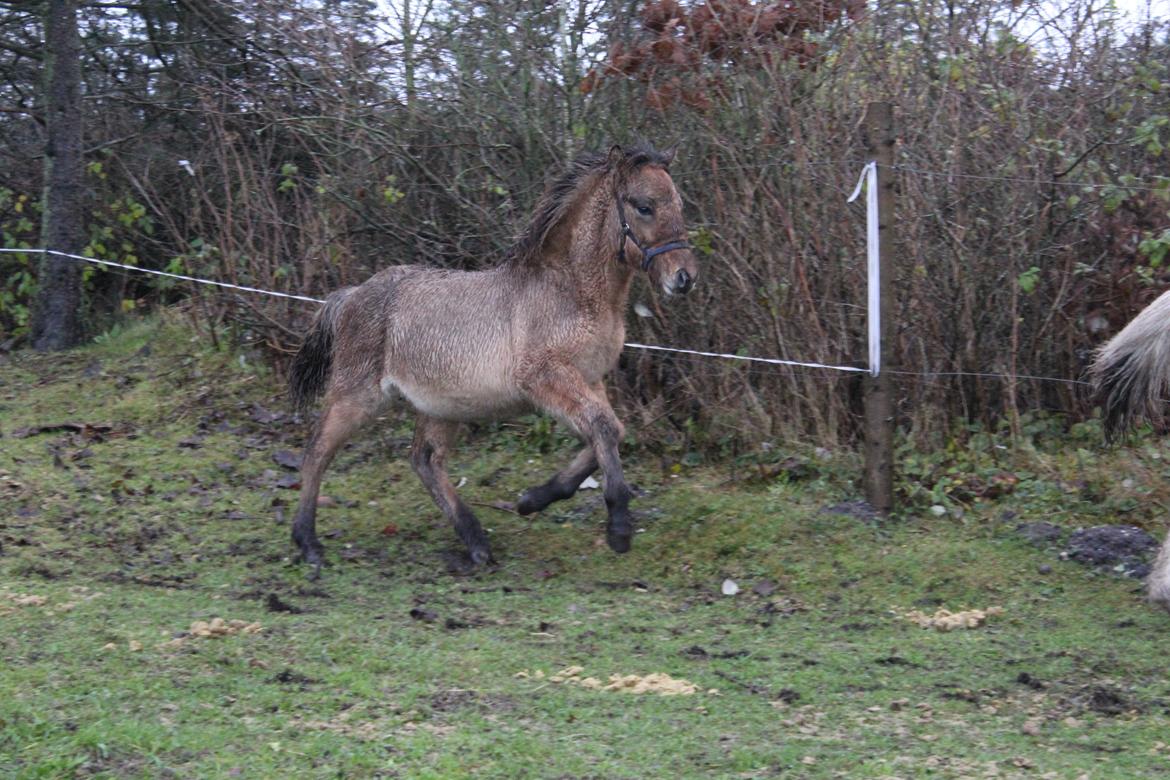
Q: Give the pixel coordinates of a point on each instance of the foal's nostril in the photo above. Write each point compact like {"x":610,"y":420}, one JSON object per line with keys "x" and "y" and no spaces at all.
{"x":683,"y":280}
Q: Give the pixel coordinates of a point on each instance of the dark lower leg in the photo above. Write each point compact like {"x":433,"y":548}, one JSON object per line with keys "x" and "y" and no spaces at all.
{"x":619,"y":529}
{"x":471,"y":533}
{"x":562,"y":485}
{"x":605,"y":434}
{"x":338,"y":422}
{"x":304,"y":527}
{"x":561,"y":390}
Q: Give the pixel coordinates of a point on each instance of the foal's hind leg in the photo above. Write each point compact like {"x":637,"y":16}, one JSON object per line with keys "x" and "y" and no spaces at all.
{"x":428,"y":455}
{"x":339,"y":420}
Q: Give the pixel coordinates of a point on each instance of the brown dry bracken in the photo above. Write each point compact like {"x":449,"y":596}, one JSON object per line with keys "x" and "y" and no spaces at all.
{"x":657,"y":682}
{"x":945,"y":620}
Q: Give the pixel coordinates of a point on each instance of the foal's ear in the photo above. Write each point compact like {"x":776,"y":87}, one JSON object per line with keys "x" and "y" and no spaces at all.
{"x":669,"y":154}
{"x":616,"y":155}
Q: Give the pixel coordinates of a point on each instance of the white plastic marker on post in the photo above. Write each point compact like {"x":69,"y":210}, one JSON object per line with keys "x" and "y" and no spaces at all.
{"x":868,"y":178}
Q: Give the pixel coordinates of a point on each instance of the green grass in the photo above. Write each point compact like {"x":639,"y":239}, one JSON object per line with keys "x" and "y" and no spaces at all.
{"x":396,"y":666}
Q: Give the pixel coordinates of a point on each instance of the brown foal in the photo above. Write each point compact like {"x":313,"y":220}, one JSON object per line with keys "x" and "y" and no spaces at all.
{"x":540,"y":330}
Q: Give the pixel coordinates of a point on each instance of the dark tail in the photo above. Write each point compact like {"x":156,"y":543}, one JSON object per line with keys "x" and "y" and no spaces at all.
{"x":309,"y":374}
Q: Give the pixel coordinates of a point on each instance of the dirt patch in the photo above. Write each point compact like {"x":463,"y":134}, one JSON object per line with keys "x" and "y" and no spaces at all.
{"x":700,"y":653}
{"x":1101,"y":698}
{"x":858,"y":510}
{"x":290,"y":676}
{"x":1041,"y":534}
{"x":104,"y":762}
{"x":896,"y":660}
{"x":175,"y":581}
{"x":273,"y":603}
{"x":362,"y":724}
{"x":1123,"y":548}
{"x":454,"y":699}
{"x":1107,"y":701}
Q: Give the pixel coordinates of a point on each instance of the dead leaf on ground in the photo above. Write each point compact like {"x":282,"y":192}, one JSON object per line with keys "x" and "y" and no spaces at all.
{"x":764,"y":588}
{"x":287,"y":459}
{"x":265,"y":416}
{"x":87,"y":430}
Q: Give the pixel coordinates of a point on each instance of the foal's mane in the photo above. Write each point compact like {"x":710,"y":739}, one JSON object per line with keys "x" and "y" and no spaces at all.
{"x":562,"y":192}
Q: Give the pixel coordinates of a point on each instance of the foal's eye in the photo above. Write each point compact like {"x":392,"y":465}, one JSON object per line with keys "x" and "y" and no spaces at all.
{"x":644,"y":210}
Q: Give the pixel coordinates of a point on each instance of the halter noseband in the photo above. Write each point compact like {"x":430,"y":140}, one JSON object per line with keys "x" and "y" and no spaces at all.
{"x":648,"y":253}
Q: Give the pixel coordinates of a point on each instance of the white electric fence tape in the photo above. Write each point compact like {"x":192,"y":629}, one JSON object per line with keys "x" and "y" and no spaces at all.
{"x":873,"y":256}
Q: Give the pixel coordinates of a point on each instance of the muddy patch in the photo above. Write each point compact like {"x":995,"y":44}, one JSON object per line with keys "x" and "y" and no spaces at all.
{"x":858,"y":510}
{"x":1041,"y":534}
{"x":1125,"y":549}
{"x":289,"y":676}
{"x":456,"y":699}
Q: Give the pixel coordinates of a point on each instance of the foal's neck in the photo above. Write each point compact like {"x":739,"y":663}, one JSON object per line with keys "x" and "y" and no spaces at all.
{"x":588,"y":240}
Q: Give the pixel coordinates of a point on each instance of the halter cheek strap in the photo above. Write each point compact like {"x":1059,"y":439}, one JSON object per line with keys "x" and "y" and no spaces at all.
{"x":648,"y":252}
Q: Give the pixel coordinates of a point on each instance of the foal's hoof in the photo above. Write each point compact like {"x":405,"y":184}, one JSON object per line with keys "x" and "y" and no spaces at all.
{"x":618,"y":539}
{"x":480,"y":556}
{"x":530,"y":502}
{"x":314,"y":556}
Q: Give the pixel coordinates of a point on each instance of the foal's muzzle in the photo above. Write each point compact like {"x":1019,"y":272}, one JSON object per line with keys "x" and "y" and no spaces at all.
{"x":683,"y":281}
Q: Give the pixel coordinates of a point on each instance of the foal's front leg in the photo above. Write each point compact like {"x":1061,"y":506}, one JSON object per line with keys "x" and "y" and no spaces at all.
{"x":564,"y":483}
{"x":428,"y":455}
{"x":562,"y":391}
{"x":561,"y":485}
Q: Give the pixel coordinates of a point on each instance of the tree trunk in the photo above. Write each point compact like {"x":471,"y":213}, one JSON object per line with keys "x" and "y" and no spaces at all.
{"x":57,"y":320}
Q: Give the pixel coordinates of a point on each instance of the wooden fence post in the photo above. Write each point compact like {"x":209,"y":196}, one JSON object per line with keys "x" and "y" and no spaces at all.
{"x":879,"y":402}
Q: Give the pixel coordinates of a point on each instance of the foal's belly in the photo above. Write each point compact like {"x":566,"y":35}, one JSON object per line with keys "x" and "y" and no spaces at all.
{"x":468,"y":408}
{"x":452,"y":367}
{"x":469,"y":403}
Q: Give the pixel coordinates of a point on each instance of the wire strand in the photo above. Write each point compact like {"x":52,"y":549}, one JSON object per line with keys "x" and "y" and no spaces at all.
{"x":1140,"y":184}
{"x":168,"y":274}
{"x":927,"y":375}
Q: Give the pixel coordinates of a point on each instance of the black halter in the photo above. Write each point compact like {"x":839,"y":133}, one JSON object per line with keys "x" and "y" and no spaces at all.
{"x":648,"y":253}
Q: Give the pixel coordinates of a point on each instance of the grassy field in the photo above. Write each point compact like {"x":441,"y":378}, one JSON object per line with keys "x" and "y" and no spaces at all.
{"x":144,"y":494}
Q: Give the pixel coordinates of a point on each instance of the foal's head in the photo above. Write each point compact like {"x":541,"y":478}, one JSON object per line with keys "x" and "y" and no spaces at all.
{"x":653,"y":234}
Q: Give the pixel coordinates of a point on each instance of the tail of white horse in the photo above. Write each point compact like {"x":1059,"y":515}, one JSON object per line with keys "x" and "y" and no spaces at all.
{"x":1131,"y":379}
